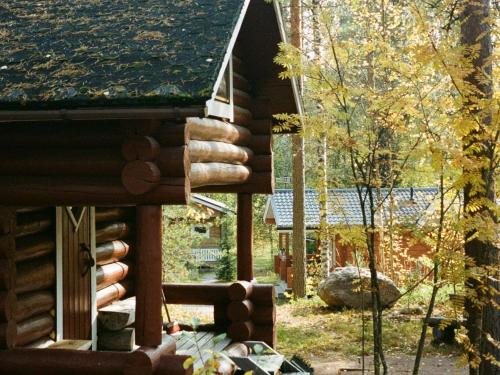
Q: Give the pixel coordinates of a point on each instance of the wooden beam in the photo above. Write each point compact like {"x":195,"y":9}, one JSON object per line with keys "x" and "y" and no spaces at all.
{"x":148,"y":275}
{"x":35,"y":275}
{"x":196,"y":294}
{"x":102,"y":114}
{"x":204,"y":129}
{"x":122,"y":340}
{"x":218,"y":174}
{"x":244,"y":237}
{"x":29,"y":190}
{"x":112,"y":232}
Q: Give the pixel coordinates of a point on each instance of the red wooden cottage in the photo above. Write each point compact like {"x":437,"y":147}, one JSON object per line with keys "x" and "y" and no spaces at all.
{"x":108,"y":110}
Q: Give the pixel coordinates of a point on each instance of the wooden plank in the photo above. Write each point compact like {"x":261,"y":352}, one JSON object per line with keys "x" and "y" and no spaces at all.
{"x":71,"y":344}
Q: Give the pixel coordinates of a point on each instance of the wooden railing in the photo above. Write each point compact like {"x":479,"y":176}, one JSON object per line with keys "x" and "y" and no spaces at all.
{"x":243,"y":310}
{"x":207,"y":255}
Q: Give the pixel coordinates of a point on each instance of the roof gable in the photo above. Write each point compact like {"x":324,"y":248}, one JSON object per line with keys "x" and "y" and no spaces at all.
{"x":344,"y":207}
{"x":101,"y":53}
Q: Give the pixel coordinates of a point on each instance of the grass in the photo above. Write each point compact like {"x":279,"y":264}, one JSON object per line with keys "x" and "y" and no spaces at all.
{"x":315,"y":332}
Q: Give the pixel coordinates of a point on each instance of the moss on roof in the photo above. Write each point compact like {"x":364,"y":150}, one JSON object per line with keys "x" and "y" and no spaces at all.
{"x":62,"y":53}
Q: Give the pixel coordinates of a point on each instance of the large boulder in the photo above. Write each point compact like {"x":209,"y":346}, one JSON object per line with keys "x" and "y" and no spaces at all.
{"x":342,"y":288}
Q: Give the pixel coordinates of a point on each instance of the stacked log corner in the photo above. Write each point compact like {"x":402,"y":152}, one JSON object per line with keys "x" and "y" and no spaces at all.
{"x":27,"y":276}
{"x":94,"y":163}
{"x":115,"y":249}
{"x":239,"y":154}
{"x":245,"y":311}
{"x":252,"y":312}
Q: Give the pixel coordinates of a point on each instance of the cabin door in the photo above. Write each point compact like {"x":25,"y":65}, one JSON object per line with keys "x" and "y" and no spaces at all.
{"x":76,"y":310}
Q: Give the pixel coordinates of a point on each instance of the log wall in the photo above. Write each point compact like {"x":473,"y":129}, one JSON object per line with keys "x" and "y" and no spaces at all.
{"x":28,"y":274}
{"x":252,"y":153}
{"x":115,"y":242}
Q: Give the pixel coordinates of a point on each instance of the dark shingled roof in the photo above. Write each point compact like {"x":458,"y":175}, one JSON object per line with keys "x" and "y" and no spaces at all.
{"x":62,"y":53}
{"x":344,"y":207}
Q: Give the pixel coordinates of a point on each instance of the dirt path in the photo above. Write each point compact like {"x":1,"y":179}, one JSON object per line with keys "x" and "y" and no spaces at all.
{"x":400,"y":364}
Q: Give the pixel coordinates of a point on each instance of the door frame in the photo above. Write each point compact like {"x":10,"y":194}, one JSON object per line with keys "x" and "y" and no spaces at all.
{"x":59,"y":277}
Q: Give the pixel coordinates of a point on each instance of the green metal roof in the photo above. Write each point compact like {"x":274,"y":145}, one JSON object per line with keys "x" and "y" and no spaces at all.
{"x":81,"y":53}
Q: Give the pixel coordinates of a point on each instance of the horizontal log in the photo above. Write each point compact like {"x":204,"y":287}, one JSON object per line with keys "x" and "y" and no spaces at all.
{"x":113,"y":293}
{"x":81,"y":191}
{"x":173,"y":365}
{"x":242,"y":98}
{"x":211,"y":151}
{"x":83,"y":161}
{"x":171,"y":135}
{"x":262,"y":163}
{"x":122,"y":340}
{"x":144,"y":361}
{"x":110,"y":252}
{"x":8,"y":335}
{"x":35,"y":275}
{"x":144,"y":148}
{"x":24,"y":210}
{"x":240,"y":82}
{"x":34,"y":303}
{"x":241,"y":331}
{"x":111,"y":274}
{"x":112,"y":232}
{"x":31,"y":247}
{"x":258,"y":183}
{"x":8,"y":305}
{"x":7,"y":246}
{"x":34,"y":328}
{"x":242,"y":116}
{"x":162,"y":113}
{"x":240,"y":310}
{"x":7,"y":274}
{"x":203,"y":129}
{"x":196,"y":294}
{"x":239,"y":66}
{"x":140,"y":177}
{"x":35,"y":223}
{"x":112,"y":214}
{"x":42,"y":343}
{"x":218,"y":174}
{"x":59,"y":135}
{"x":240,"y":290}
{"x":118,"y":315}
{"x":173,"y":161}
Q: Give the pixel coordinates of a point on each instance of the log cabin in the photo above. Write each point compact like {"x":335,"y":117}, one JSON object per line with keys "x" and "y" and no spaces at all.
{"x":109,"y":110}
{"x":409,"y":208}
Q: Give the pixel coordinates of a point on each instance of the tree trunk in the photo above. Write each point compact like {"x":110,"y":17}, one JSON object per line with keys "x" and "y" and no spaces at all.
{"x":482,"y":318}
{"x":299,"y":235}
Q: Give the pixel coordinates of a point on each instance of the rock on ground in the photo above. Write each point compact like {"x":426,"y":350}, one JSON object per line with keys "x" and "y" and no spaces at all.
{"x":342,"y":288}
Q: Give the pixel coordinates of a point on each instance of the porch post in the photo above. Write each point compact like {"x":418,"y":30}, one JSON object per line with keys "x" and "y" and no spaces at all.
{"x":148,"y":322}
{"x":244,"y":237}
